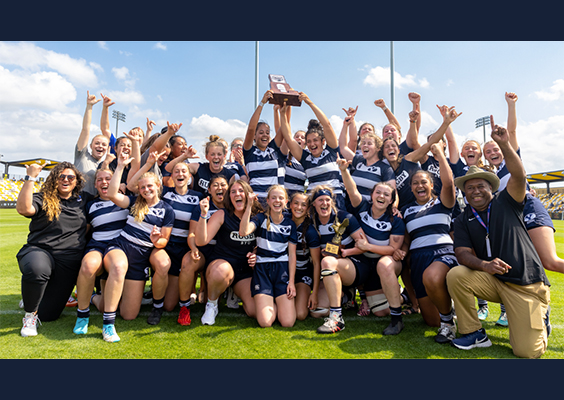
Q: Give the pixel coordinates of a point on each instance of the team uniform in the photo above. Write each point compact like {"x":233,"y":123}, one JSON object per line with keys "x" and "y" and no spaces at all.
{"x":265,"y":168}
{"x":367,"y":176}
{"x":135,"y":238}
{"x":271,"y":272}
{"x":238,"y":168}
{"x":403,"y":173}
{"x":233,"y":248}
{"x":306,"y":240}
{"x":207,"y":249}
{"x":432,"y":166}
{"x":107,"y":220}
{"x":295,"y":179}
{"x":184,"y":207}
{"x":323,"y":170}
{"x":428,"y":226}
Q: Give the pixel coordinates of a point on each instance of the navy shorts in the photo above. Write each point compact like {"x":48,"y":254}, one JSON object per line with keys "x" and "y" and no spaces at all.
{"x":176,"y":251}
{"x":421,"y":259}
{"x":373,"y":283}
{"x":304,"y":276}
{"x":535,"y":215}
{"x":240,"y":267}
{"x":95,"y":245}
{"x":362,"y":268}
{"x":139,"y":268}
{"x":270,"y":279}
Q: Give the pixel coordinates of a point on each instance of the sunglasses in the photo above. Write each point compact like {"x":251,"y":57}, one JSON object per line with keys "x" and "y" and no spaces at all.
{"x":70,"y":178}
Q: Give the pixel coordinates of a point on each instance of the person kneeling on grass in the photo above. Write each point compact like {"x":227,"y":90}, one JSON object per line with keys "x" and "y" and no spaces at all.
{"x":498,"y":260}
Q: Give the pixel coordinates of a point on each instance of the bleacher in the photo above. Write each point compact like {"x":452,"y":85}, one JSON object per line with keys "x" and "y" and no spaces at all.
{"x":553,"y":202}
{"x":9,"y":189}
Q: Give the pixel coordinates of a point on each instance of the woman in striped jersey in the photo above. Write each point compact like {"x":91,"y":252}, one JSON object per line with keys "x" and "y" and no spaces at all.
{"x":538,"y":221}
{"x":264,"y":160}
{"x":308,"y":257}
{"x":106,"y":220}
{"x":381,"y":243}
{"x":149,"y":225}
{"x":272,"y":285}
{"x":320,"y":158}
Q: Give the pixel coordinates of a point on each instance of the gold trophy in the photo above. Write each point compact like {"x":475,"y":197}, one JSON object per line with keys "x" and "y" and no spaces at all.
{"x":333,"y":248}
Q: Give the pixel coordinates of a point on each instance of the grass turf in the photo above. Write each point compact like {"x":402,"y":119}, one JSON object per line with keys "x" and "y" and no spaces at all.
{"x":235,"y":336}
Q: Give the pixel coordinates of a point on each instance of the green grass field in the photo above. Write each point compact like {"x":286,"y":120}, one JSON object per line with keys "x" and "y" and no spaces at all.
{"x":235,"y":336}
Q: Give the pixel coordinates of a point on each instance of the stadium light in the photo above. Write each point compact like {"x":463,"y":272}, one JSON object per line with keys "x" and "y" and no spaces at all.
{"x":483,"y":122}
{"x":119,"y":116}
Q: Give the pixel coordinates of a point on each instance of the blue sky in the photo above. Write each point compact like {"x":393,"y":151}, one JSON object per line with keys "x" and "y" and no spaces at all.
{"x":209,"y":86}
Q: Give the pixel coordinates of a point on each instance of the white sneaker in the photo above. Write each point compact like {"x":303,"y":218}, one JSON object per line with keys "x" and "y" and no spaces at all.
{"x":446,"y":334}
{"x":21,"y":305}
{"x":209,"y":315}
{"x":109,"y":333}
{"x":30,"y":325}
{"x":232,"y":299}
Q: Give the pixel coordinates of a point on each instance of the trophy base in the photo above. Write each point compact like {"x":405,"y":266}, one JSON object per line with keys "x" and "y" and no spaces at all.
{"x":331,"y":250}
{"x":291,"y":99}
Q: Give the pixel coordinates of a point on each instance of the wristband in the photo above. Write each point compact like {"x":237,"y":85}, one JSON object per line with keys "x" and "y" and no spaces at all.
{"x":207,"y":216}
{"x":385,"y":108}
{"x":30,"y":178}
{"x":262,"y":104}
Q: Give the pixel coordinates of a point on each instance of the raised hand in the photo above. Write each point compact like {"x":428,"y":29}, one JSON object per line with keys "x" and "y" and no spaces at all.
{"x":343,"y":163}
{"x":91,"y":99}
{"x":510,"y":97}
{"x":204,"y":206}
{"x":174,"y":128}
{"x":267,"y":96}
{"x":451,"y":115}
{"x":380,"y":103}
{"x":155,"y":234}
{"x":33,"y":170}
{"x":414,"y":97}
{"x":413,"y":115}
{"x":107,"y":101}
{"x":499,"y":133}
{"x":150,"y":124}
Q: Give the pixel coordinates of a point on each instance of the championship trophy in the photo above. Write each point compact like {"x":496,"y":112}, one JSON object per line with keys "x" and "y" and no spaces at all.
{"x":282,"y":92}
{"x":333,"y":248}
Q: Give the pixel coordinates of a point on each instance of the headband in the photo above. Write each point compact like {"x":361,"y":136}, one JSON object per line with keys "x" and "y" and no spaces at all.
{"x":322,"y":192}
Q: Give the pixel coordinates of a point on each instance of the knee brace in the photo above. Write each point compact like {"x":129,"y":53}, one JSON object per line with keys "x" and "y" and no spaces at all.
{"x":377,"y":302}
{"x":327,"y":272}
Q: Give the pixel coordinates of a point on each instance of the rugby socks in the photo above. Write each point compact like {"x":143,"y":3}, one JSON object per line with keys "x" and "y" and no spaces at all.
{"x":502,"y":307}
{"x":338,"y":310}
{"x":447,"y":318}
{"x":482,"y":302}
{"x":158,"y":303}
{"x":395,"y":313}
{"x":184,"y":303}
{"x":83,"y":313}
{"x":109,"y":318}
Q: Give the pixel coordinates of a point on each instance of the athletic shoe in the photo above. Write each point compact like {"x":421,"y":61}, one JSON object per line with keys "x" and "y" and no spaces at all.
{"x":81,"y":326}
{"x":109,"y":333}
{"x":30,"y":325}
{"x":483,"y":312}
{"x":447,"y":332}
{"x":547,"y":322}
{"x":209,"y":315}
{"x":393,"y":329}
{"x":72,"y":302}
{"x":348,"y":300}
{"x":502,"y":321}
{"x":471,"y":340}
{"x":232,"y":299}
{"x":147,"y":298}
{"x":333,"y":323}
{"x":184,"y":316}
{"x":155,"y":316}
{"x":21,"y":305}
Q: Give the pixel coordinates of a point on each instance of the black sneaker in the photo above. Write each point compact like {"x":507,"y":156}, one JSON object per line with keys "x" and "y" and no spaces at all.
{"x":447,"y":332}
{"x":547,"y":322}
{"x":393,"y":329}
{"x":155,"y":316}
{"x":333,"y":323}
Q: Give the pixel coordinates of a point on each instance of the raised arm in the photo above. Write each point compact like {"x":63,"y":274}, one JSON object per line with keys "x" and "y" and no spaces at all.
{"x":114,"y":195}
{"x":24,"y":203}
{"x":105,"y":117}
{"x":415,"y":99}
{"x":328,"y":132}
{"x":349,"y":126}
{"x":453,"y":150}
{"x":389,"y":115}
{"x":252,"y":127}
{"x":285,"y":131}
{"x":246,"y":227}
{"x":511,"y":99}
{"x":133,"y":179}
{"x":150,"y":125}
{"x":84,"y":136}
{"x":352,"y":191}
{"x":208,"y":226}
{"x":448,"y":192}
{"x":136,"y":137}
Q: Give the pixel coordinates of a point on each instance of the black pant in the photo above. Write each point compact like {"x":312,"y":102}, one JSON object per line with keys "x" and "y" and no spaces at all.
{"x":47,"y":280}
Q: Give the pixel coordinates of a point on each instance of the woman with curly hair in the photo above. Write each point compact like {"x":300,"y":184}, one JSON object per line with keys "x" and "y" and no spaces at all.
{"x":50,"y":260}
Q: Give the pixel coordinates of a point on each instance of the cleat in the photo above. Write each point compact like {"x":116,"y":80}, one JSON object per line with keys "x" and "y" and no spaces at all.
{"x":155,"y":316}
{"x":333,"y":323}
{"x":447,"y":332}
{"x":81,"y":326}
{"x":184,"y":316}
{"x":483,"y":312}
{"x":30,"y":325}
{"x":209,"y":315}
{"x":232,"y":299}
{"x":472,"y":340}
{"x":72,"y":302}
{"x":502,"y":321}
{"x":147,"y":298}
{"x":393,"y":329}
{"x":109,"y":333}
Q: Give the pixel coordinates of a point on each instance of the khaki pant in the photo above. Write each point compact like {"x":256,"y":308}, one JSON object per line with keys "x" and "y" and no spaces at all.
{"x":526,"y":307}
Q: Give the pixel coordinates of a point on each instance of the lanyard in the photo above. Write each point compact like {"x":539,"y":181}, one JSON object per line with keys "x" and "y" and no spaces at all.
{"x":488,"y":248}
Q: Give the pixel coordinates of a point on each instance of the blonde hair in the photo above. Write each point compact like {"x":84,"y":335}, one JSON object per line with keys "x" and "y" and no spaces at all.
{"x":267,"y":210}
{"x":216,"y":141}
{"x":140,"y":208}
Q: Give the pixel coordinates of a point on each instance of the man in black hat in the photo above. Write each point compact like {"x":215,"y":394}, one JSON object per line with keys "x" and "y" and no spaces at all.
{"x":498,"y":261}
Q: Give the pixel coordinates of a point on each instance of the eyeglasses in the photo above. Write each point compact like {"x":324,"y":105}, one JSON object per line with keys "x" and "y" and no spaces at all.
{"x":237,"y":146}
{"x":70,"y":178}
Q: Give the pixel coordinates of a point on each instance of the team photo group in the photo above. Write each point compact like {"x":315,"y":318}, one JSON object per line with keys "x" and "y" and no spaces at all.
{"x":293,"y":224}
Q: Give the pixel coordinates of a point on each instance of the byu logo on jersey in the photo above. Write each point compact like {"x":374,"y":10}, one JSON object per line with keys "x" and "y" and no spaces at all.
{"x":529,"y":217}
{"x":285,"y":230}
{"x":157,"y":212}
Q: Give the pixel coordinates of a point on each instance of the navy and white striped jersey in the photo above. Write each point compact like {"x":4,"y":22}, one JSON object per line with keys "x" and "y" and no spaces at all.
{"x":203,"y":176}
{"x":265,"y":168}
{"x":184,"y":207}
{"x":428,"y":225}
{"x":366,"y":176}
{"x":107,"y":219}
{"x":272,"y":242}
{"x":238,"y":168}
{"x":139,"y":233}
{"x":312,"y":241}
{"x":295,"y":178}
{"x":323,"y":170}
{"x":327,"y":232}
{"x":378,"y":231}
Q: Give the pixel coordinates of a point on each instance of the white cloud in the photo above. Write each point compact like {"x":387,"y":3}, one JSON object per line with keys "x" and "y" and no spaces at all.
{"x":380,"y":76}
{"x":126,"y":97}
{"x":125,"y":53}
{"x":159,"y":46}
{"x":121,"y":73}
{"x":103,"y":45}
{"x":556,"y":91}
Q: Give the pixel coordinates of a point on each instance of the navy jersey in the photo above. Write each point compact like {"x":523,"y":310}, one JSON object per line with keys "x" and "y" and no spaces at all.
{"x":229,"y":244}
{"x":107,"y":219}
{"x":403,"y":173}
{"x":327,"y":232}
{"x":265,"y":168}
{"x":238,"y":168}
{"x":404,"y":148}
{"x":378,"y":231}
{"x":196,"y":216}
{"x":428,"y":225}
{"x":204,"y":175}
{"x":139,"y":233}
{"x":184,"y":207}
{"x":295,"y":178}
{"x":312,"y":241}
{"x":323,"y":170}
{"x":272,"y":239}
{"x":366,"y":176}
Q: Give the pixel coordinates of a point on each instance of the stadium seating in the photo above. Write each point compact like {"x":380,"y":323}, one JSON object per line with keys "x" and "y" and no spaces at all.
{"x":10,"y":189}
